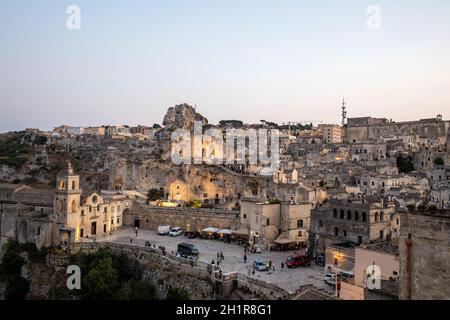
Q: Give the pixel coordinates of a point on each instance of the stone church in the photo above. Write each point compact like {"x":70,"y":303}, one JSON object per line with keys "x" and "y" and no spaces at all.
{"x":58,"y":217}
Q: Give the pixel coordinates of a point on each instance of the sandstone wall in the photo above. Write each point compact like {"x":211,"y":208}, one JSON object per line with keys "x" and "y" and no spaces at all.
{"x":425,"y":256}
{"x":190,"y":219}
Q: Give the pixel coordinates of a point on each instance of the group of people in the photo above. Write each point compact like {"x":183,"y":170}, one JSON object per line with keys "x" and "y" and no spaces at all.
{"x":220,"y":258}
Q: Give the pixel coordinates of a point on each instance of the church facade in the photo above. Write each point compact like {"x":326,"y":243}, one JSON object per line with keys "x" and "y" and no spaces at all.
{"x":59,"y":217}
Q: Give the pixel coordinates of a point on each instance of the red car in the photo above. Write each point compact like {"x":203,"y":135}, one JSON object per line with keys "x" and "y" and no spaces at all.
{"x":298,"y":261}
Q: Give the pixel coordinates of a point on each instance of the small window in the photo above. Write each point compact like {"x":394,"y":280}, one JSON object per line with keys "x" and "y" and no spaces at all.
{"x":267,"y":222}
{"x":359,"y":239}
{"x":81,"y":233}
{"x":364,"y":216}
{"x":376,"y":216}
{"x":335,"y":213}
{"x":118,"y":220}
{"x":356,"y":216}
{"x":320,"y":223}
{"x":38,"y":231}
{"x":299,"y":223}
{"x":349,"y":215}
{"x":344,"y":233}
{"x":342,"y":214}
{"x":336,"y":231}
{"x":381,"y":234}
{"x":244,"y":216}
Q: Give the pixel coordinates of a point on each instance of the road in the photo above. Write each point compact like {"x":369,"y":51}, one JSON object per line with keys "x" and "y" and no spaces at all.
{"x":289,"y":279}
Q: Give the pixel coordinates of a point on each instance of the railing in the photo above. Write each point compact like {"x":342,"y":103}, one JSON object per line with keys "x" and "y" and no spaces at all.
{"x":212,"y":269}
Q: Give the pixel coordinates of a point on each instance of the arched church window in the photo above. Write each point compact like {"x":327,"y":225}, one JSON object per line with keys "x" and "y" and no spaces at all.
{"x":62,"y":185}
{"x":60,"y":205}
{"x":73,"y":185}
{"x":74,"y":206}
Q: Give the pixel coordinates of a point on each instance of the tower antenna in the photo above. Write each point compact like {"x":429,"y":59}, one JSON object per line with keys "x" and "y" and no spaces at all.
{"x":344,"y":111}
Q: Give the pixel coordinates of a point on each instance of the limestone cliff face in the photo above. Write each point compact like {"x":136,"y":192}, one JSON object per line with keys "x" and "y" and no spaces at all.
{"x":182,"y":116}
{"x":194,"y":182}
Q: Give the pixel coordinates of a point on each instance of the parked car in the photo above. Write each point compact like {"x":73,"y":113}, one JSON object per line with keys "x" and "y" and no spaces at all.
{"x":260,"y":265}
{"x":187,"y":250}
{"x":298,"y":261}
{"x":163,"y":230}
{"x":346,"y":275}
{"x":175,"y":232}
{"x":330,"y":278}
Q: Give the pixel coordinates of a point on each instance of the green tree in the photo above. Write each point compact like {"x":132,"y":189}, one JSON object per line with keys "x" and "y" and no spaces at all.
{"x":274,"y":201}
{"x":194,"y":204}
{"x":101,"y":282}
{"x":137,"y":290}
{"x":10,"y":269}
{"x":404,"y":164}
{"x":439,"y":161}
{"x":177,"y":294}
{"x":233,"y":123}
{"x":155,"y":194}
{"x":41,"y":140}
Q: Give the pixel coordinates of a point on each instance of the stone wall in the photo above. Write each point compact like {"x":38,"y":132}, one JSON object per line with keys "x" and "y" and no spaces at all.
{"x":360,"y":131}
{"x":425,"y":255}
{"x":194,"y":276}
{"x":189,"y":219}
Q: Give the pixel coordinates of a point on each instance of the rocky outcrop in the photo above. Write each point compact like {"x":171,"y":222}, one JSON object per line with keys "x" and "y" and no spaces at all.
{"x":182,"y":116}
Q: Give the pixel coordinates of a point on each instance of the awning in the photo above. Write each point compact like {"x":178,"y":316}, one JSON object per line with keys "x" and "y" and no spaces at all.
{"x":242,"y":232}
{"x":225,"y":231}
{"x":211,"y":230}
{"x":284,"y":241}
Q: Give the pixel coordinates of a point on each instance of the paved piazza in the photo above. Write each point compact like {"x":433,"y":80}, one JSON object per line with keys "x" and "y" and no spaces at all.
{"x":289,"y":279}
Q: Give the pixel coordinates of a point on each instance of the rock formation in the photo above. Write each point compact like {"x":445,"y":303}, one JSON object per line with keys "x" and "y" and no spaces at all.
{"x":182,"y":116}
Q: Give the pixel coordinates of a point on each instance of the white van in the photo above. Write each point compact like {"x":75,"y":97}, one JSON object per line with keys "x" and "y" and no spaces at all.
{"x":163,"y":230}
{"x":175,"y":232}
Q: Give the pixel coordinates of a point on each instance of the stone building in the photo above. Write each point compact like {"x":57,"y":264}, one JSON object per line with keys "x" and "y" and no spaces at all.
{"x":331,"y":133}
{"x":384,"y":255}
{"x":283,"y":224}
{"x":425,"y":255}
{"x":189,"y":219}
{"x":368,"y":128}
{"x":358,"y":221}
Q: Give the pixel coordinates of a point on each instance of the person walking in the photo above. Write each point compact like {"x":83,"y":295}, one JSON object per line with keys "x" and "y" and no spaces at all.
{"x":136,"y":231}
{"x":282,"y":266}
{"x":221,"y":256}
